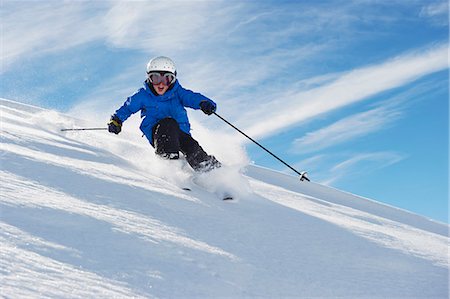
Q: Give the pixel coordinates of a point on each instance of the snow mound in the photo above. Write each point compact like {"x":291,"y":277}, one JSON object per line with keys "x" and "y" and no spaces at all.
{"x":95,"y":215}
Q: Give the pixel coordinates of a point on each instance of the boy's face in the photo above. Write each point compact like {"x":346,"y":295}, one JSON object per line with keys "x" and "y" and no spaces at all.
{"x":161,"y":81}
{"x":160,"y":88}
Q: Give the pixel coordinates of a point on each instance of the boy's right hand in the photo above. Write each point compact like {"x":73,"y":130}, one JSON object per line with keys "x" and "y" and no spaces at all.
{"x":115,"y":125}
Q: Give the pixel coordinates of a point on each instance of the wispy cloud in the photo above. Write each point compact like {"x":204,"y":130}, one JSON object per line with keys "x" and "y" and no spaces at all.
{"x":382,"y":159}
{"x":437,"y":12}
{"x":351,"y":87}
{"x":381,"y":116}
{"x":337,"y":167}
{"x":162,"y":27}
{"x":346,"y":129}
{"x":362,"y":163}
{"x":34,"y":28}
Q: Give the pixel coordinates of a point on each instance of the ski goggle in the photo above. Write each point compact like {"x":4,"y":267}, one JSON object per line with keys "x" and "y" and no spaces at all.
{"x":165,"y":78}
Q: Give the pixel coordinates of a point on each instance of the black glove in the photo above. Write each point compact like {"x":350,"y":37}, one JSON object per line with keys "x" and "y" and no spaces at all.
{"x":208,"y":107}
{"x":115,"y":125}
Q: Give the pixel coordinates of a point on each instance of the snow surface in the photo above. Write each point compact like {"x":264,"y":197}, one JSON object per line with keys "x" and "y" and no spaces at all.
{"x":93,"y":215}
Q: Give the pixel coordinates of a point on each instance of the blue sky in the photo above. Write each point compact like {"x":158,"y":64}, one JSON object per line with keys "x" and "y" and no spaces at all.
{"x":355,"y":92}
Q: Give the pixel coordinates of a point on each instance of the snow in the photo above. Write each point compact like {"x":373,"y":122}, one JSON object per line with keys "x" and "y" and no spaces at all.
{"x":94,"y":215}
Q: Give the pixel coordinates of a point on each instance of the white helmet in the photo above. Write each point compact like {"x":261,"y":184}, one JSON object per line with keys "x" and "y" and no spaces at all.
{"x":161,"y":64}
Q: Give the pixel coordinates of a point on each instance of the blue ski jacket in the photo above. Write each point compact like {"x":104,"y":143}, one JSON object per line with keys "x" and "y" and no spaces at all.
{"x":157,"y":107}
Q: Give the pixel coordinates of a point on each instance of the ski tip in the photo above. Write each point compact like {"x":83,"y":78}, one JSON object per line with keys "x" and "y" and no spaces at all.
{"x":228,"y":198}
{"x":186,"y":189}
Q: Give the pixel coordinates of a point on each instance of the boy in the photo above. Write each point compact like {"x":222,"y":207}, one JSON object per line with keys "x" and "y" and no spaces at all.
{"x":162,"y":101}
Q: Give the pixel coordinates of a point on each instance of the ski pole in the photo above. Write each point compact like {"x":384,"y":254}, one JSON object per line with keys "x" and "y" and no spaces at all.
{"x":303,"y":174}
{"x":85,"y":129}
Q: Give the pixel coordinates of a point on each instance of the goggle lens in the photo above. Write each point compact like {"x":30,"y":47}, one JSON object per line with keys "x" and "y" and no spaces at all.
{"x":165,"y":78}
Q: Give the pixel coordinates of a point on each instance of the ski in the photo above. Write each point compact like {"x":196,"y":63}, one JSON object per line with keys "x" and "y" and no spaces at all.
{"x":225,"y":197}
{"x":217,"y":190}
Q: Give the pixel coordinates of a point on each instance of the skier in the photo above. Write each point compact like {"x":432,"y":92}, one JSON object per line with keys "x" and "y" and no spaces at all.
{"x":162,"y":101}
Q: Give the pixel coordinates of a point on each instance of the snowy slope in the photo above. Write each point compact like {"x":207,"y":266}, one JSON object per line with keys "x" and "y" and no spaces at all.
{"x":79,"y":220}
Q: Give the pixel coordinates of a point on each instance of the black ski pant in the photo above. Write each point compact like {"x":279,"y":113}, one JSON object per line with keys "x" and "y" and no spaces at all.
{"x":169,"y":140}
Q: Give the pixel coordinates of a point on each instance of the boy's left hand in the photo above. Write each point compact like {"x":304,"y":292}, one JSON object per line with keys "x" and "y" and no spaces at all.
{"x":208,"y":107}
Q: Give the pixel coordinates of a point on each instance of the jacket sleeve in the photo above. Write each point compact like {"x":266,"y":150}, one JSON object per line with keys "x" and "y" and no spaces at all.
{"x":191,"y":99}
{"x":132,"y":105}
